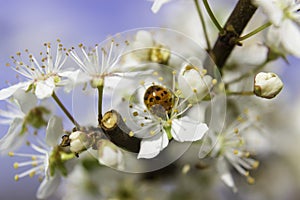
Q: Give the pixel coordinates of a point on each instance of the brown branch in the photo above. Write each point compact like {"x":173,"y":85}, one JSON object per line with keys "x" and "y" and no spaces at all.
{"x":232,"y":30}
{"x":117,"y":131}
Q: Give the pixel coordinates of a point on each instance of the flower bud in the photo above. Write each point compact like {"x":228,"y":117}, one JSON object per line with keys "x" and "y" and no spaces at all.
{"x":79,"y":141}
{"x":267,"y":85}
{"x":110,"y":155}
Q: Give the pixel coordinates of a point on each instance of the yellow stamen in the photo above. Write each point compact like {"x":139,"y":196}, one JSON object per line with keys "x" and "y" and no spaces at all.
{"x":240,"y":119}
{"x":152,"y":132}
{"x":160,"y":78}
{"x":11,"y":154}
{"x":16,"y":165}
{"x":250,"y":180}
{"x":255,"y":164}
{"x":31,"y":174}
{"x":186,"y":168}
{"x":131,"y":133}
{"x":33,"y":158}
{"x":236,"y":130}
{"x":135,"y":113}
{"x":247,"y":174}
{"x":235,"y":152}
{"x":247,"y":154}
{"x":214,"y":81}
{"x":16,"y":177}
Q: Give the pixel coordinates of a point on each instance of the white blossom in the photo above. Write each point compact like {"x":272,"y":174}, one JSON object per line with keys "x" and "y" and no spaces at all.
{"x":161,"y":114}
{"x":285,"y":17}
{"x":230,"y":150}
{"x":22,"y":111}
{"x":97,"y":63}
{"x":146,"y":48}
{"x":41,"y":162}
{"x":42,"y":78}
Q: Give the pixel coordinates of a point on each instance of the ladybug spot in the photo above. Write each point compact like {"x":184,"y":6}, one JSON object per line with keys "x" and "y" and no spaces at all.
{"x":151,"y":99}
{"x":157,"y":98}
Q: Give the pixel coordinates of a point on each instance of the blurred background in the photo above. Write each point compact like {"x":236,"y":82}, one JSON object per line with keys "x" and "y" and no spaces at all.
{"x":28,"y":24}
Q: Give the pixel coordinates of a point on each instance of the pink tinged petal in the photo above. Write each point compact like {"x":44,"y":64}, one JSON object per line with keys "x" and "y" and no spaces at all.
{"x":157,"y":5}
{"x":8,"y":92}
{"x":54,"y":130}
{"x":25,"y":100}
{"x":150,"y":147}
{"x":224,"y":172}
{"x":290,"y":37}
{"x":12,"y":140}
{"x":187,"y":130}
{"x":48,"y":186}
{"x":44,"y":89}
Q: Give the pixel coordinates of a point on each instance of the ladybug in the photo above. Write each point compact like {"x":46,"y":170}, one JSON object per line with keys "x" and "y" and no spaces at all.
{"x":158,"y":100}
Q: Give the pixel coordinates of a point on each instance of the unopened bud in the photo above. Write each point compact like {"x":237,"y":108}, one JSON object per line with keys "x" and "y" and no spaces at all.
{"x":267,"y":85}
{"x":79,"y":141}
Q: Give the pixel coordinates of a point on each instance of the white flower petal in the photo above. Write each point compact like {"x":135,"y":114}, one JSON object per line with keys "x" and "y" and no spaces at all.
{"x":54,"y":130}
{"x":192,"y":84}
{"x":252,"y":54}
{"x":150,"y":147}
{"x":223,"y":170}
{"x":75,"y":77}
{"x":26,"y":100}
{"x":44,"y":89}
{"x":290,"y":33}
{"x":111,"y":157}
{"x":12,"y":140}
{"x":7,"y":92}
{"x":271,"y":9}
{"x":48,"y":186}
{"x":185,"y":129}
{"x":143,"y":39}
{"x":157,"y":5}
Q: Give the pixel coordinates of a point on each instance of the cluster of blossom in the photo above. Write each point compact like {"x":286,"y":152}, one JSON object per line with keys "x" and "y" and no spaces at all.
{"x":158,"y":94}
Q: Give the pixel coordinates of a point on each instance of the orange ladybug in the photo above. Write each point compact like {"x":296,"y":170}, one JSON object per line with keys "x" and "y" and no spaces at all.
{"x":158,"y":100}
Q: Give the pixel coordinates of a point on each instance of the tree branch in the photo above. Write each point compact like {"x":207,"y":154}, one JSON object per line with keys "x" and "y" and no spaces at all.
{"x":117,"y":131}
{"x":232,"y":30}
